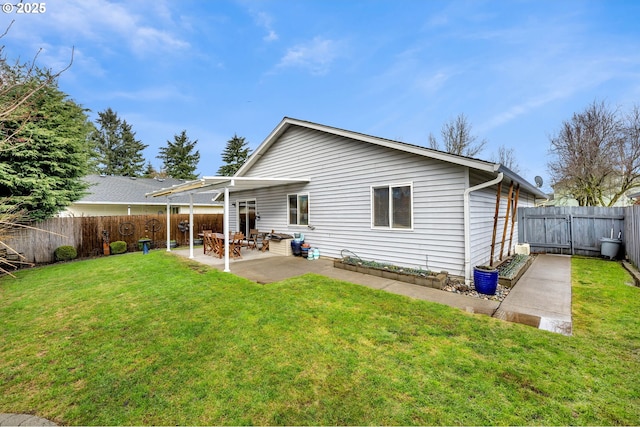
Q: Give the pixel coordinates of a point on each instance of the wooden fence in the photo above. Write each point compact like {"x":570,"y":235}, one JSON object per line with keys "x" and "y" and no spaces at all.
{"x":573,"y":230}
{"x":86,"y":233}
{"x":631,"y":234}
{"x":565,"y":230}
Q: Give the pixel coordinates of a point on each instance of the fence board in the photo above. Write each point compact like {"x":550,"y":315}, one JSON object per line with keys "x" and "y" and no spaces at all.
{"x":632,"y":233}
{"x":569,"y":229}
{"x":85,"y":233}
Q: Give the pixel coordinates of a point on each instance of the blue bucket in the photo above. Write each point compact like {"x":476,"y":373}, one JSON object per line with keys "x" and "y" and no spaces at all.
{"x":295,"y":247}
{"x":485,"y":281}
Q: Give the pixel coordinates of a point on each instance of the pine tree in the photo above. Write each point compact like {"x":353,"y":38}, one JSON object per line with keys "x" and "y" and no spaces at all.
{"x":42,"y":173}
{"x":132,"y":160}
{"x":149,"y":171}
{"x":117,"y":150}
{"x":234,"y":155}
{"x":178,"y":157}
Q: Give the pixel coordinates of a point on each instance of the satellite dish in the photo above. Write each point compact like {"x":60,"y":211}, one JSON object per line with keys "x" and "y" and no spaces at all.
{"x":538,"y":180}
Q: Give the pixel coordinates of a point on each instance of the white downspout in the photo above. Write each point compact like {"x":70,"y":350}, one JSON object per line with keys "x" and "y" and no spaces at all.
{"x":190,"y":225}
{"x":467,"y":224}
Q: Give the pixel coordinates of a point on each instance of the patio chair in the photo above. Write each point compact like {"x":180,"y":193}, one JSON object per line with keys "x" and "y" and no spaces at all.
{"x":252,"y":240}
{"x":208,"y":243}
{"x":218,"y":245}
{"x":235,"y":244}
{"x":263,"y":239}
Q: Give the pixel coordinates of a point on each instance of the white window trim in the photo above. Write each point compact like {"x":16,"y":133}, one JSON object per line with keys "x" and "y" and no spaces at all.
{"x":298,"y":207}
{"x":390,"y":187}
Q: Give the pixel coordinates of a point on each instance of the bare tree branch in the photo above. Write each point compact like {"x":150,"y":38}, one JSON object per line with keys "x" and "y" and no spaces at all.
{"x":458,"y":139}
{"x":19,"y":83}
{"x":597,"y":155}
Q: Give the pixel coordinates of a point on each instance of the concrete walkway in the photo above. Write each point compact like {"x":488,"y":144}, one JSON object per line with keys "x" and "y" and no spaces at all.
{"x":541,"y":298}
{"x":23,"y":420}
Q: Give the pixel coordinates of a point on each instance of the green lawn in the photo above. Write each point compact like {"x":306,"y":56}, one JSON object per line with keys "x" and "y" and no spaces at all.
{"x":153,"y":339}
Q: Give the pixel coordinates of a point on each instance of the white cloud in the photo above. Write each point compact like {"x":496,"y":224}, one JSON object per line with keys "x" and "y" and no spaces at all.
{"x":147,"y":39}
{"x":434,"y":82}
{"x":272,"y":36}
{"x":316,"y":55}
{"x":138,"y":25}
{"x":265,"y":20}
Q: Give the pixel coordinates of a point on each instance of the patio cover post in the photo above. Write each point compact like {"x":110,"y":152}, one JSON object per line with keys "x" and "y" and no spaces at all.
{"x":225,"y":220}
{"x":190,"y":225}
{"x":168,"y":224}
{"x":218,"y":183}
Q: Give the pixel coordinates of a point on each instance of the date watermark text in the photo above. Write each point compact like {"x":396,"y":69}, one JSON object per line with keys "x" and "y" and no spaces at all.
{"x":24,"y":8}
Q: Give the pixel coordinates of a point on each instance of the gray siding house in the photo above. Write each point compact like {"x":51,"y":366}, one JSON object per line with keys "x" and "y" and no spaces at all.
{"x":381,"y":199}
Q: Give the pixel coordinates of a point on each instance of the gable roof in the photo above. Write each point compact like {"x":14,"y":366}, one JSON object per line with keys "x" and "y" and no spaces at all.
{"x":108,"y":189}
{"x":473,"y":163}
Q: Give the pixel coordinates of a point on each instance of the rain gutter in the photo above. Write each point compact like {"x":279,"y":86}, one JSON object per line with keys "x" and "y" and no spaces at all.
{"x":467,"y":223}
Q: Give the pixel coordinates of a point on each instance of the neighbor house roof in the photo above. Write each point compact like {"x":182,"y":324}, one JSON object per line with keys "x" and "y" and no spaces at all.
{"x":477,"y":164}
{"x":108,"y":189}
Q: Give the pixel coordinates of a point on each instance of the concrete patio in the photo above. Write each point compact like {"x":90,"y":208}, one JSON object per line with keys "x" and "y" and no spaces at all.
{"x":541,"y":298}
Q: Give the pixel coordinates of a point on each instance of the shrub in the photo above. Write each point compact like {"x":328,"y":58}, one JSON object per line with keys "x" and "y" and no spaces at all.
{"x":65,"y":253}
{"x":118,"y":247}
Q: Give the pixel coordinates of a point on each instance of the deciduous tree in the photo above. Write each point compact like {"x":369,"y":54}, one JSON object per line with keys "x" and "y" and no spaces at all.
{"x":507,"y":157}
{"x":457,"y":138}
{"x":596,"y":155}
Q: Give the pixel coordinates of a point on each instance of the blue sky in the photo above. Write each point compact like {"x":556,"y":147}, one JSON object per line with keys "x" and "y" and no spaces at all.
{"x":395,"y":69}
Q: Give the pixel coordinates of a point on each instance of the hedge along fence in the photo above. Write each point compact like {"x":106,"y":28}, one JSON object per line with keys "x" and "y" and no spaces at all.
{"x":86,"y":233}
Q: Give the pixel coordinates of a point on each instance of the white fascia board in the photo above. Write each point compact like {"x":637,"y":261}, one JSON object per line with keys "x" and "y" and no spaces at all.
{"x":273,"y":136}
{"x":413,"y":149}
{"x":233,"y":183}
{"x":241,"y":183}
{"x":509,"y":174}
{"x":181,"y":188}
{"x":150,"y":203}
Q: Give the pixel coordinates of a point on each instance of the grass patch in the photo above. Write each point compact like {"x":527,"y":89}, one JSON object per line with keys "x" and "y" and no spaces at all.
{"x":155,"y":339}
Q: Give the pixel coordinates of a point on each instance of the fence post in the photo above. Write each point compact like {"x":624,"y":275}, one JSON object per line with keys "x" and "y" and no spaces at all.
{"x":573,"y":249}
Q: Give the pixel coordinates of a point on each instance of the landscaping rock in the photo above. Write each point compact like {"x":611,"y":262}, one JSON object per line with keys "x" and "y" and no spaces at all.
{"x":461,"y":288}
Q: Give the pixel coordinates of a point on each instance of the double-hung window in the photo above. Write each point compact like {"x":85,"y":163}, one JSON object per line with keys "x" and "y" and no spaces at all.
{"x":392,"y":206}
{"x":298,"y":205}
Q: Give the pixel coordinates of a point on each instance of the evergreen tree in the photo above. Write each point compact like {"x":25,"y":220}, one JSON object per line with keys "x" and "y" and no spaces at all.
{"x":117,"y":150}
{"x":41,"y":172}
{"x":149,"y":171}
{"x":131,"y":160}
{"x":234,"y":155}
{"x":178,"y":158}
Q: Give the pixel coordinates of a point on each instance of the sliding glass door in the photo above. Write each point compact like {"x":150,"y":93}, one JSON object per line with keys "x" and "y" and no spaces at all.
{"x":246,"y":216}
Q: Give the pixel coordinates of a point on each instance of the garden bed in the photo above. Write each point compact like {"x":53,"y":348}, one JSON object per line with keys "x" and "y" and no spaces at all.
{"x":414,"y":276}
{"x":511,"y":269}
{"x":510,"y":272}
